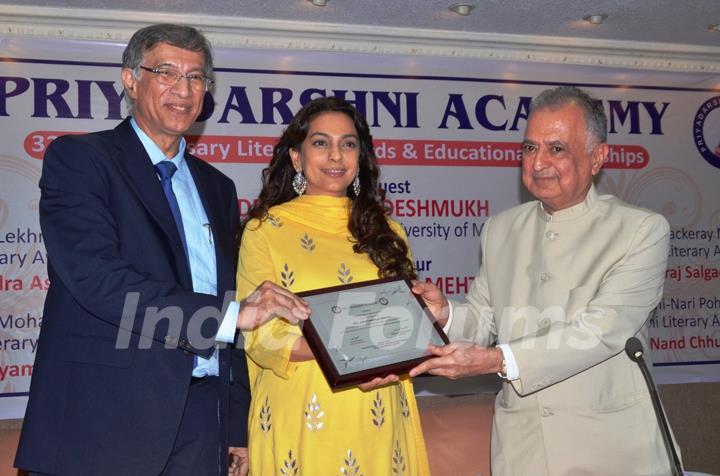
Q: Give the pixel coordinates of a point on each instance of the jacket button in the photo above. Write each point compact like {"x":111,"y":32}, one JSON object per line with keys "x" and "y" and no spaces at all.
{"x":544,"y":277}
{"x":550,"y":235}
{"x":546,"y":412}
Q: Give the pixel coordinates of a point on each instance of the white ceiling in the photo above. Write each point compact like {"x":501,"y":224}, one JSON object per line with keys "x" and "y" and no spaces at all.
{"x":644,"y":28}
{"x":665,"y":21}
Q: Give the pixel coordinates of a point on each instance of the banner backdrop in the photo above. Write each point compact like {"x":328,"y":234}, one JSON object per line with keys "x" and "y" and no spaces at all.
{"x":447,"y":134}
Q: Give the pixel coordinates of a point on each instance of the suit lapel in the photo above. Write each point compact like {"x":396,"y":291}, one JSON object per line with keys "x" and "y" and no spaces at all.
{"x":136,"y":167}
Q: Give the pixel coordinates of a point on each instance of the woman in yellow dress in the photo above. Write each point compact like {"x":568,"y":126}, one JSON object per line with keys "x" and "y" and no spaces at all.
{"x":319,"y":221}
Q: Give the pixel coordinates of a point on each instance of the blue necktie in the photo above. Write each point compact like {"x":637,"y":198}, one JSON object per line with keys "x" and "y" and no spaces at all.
{"x":166,"y":170}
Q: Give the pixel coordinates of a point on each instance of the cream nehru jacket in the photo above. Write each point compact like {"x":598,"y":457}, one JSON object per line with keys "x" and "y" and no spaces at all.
{"x":565,"y":291}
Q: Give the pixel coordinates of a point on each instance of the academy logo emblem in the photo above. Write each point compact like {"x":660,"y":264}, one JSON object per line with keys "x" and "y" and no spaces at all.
{"x":706,"y":131}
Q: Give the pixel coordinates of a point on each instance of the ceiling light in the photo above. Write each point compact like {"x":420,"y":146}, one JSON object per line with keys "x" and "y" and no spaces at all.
{"x":463,"y":9}
{"x":596,"y":19}
{"x":318,"y":3}
{"x":714,"y":28}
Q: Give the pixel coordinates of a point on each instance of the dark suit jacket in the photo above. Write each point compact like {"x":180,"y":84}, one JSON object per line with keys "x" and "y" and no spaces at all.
{"x":95,"y":409}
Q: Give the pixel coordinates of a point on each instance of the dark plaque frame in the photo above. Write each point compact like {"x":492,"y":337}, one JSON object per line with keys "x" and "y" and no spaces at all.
{"x":339,"y":379}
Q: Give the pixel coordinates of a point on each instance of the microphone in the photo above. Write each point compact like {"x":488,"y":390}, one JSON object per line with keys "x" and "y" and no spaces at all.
{"x":634,"y":350}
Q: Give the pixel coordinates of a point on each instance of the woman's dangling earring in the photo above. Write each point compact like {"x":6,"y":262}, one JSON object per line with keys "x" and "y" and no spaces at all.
{"x":356,"y":184}
{"x":299,"y":182}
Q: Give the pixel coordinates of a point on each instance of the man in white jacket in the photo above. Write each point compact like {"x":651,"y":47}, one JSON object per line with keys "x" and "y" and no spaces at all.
{"x":565,"y":280}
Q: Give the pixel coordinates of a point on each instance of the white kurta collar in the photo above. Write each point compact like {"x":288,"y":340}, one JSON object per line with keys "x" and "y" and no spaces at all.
{"x":570,"y":213}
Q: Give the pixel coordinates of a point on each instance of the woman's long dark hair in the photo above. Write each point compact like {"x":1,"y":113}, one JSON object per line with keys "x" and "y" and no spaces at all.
{"x":367,"y":224}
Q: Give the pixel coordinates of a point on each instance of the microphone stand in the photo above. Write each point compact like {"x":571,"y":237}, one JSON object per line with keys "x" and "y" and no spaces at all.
{"x":634,"y":350}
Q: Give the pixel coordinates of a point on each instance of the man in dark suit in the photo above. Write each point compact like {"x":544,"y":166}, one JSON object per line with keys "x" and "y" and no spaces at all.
{"x":132,"y":376}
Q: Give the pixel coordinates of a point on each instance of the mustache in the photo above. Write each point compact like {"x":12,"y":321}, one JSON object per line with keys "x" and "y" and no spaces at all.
{"x":544,"y":174}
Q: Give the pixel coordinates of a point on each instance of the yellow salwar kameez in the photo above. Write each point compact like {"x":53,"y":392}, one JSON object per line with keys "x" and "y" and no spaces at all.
{"x":298,"y":425}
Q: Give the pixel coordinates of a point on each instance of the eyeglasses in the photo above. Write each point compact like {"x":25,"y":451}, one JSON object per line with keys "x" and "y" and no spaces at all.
{"x":169,"y":77}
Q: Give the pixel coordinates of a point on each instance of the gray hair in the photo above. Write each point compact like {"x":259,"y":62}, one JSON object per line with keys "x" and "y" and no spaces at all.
{"x":595,"y":119}
{"x":180,"y":36}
